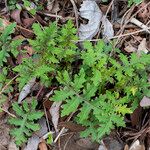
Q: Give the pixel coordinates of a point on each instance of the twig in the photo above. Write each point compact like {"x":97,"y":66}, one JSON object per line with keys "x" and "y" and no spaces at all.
{"x":68,"y":141}
{"x":62,"y":130}
{"x":139,"y":24}
{"x":105,"y":16}
{"x":47,"y":119}
{"x":76,"y":13}
{"x":51,"y":15}
{"x":6,"y":111}
{"x":5,"y":87}
{"x":122,"y":29}
{"x":114,"y":37}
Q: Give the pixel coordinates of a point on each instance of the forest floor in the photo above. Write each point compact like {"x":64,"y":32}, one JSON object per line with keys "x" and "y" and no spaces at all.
{"x":114,"y":20}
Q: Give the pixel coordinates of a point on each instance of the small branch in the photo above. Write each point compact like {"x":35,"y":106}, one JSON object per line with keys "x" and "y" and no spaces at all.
{"x":5,"y":87}
{"x":62,"y":130}
{"x":139,"y":24}
{"x":114,"y":37}
{"x":6,"y":111}
{"x":76,"y":13}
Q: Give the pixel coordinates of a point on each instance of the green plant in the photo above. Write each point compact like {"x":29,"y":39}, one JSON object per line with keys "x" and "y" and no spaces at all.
{"x":8,"y":48}
{"x":53,"y":48}
{"x":24,"y":121}
{"x":130,"y":2}
{"x":104,"y":89}
{"x":99,"y":88}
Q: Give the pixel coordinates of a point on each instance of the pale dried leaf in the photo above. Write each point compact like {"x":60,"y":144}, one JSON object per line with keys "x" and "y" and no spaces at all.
{"x":44,"y":129}
{"x":101,"y":147}
{"x":54,"y":111}
{"x":145,"y":102}
{"x":108,"y":31}
{"x":126,"y":147}
{"x":142,"y":47}
{"x":26,"y":90}
{"x":136,"y":146}
{"x":33,"y":143}
{"x":12,"y":146}
{"x":90,"y":10}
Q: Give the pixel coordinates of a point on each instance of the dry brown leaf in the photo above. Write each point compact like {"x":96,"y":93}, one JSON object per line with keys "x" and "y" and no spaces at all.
{"x":72,"y":126}
{"x":15,"y":14}
{"x":28,"y":22}
{"x":135,"y":116}
{"x":42,"y":146}
{"x":126,"y":147}
{"x":29,"y":50}
{"x":27,"y":33}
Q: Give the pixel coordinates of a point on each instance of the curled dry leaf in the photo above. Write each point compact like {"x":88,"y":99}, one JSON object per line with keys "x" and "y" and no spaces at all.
{"x":145,"y":102}
{"x":54,"y":111}
{"x":90,"y":10}
{"x":26,"y":90}
{"x":12,"y":146}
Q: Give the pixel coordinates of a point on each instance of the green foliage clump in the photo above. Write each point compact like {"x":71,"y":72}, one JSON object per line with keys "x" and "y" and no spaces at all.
{"x":25,"y":121}
{"x":8,"y":48}
{"x":104,"y":89}
{"x":130,"y":2}
{"x":53,"y":48}
{"x":99,"y":88}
